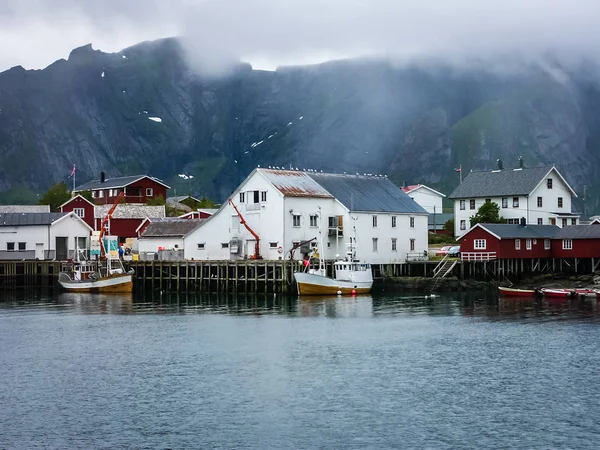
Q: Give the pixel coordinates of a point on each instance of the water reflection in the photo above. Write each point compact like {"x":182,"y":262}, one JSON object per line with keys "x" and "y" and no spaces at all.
{"x":476,"y":305}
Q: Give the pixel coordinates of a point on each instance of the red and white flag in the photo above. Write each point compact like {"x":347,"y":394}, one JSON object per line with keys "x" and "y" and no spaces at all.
{"x":72,"y":171}
{"x":456,"y":170}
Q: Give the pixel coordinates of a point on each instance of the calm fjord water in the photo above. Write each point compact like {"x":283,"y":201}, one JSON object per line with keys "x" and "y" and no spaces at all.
{"x":402,"y":371}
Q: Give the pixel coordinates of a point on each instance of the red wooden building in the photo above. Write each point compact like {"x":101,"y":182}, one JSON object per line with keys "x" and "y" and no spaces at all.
{"x":127,"y":218}
{"x":82,"y":207}
{"x":138,"y":189}
{"x":485,"y":242}
{"x":577,"y":241}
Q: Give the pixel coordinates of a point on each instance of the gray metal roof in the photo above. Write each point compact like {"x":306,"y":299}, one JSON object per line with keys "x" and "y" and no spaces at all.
{"x":180,"y":198}
{"x":513,"y":231}
{"x":24,"y":209}
{"x":579,"y":232}
{"x":29,"y":219}
{"x":499,"y":183}
{"x":130,"y":211}
{"x":293,"y":183}
{"x":113,"y":183}
{"x":169,"y":227}
{"x":367,"y":193}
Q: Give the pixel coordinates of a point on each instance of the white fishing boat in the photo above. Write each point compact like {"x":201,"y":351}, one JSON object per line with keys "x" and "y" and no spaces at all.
{"x":103,"y":275}
{"x":350,"y":276}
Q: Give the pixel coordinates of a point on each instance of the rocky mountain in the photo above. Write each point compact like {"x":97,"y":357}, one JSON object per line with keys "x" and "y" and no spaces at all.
{"x":143,"y":110}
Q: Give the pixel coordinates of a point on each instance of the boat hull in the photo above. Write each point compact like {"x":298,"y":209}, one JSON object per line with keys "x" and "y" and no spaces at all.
{"x":116,"y":284}
{"x":509,"y":292}
{"x":558,"y":293}
{"x":313,"y":284}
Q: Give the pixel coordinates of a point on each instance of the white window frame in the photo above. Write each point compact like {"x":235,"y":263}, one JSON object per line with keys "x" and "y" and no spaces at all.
{"x":412,"y":222}
{"x":201,"y":245}
{"x":472,"y":204}
{"x":374,"y":221}
{"x":242,"y":197}
{"x":24,"y":249}
{"x":547,"y":244}
{"x":100,"y":194}
{"x":296,"y":218}
{"x":77,"y":212}
{"x":479,"y":244}
{"x":462,"y":205}
{"x":149,"y":192}
{"x":314,"y":221}
{"x":549,"y":183}
{"x":517,"y":244}
{"x":567,"y":244}
{"x":540,"y":221}
{"x":394,"y":244}
{"x":527,"y":244}
{"x":515,"y":202}
{"x":273,"y":245}
{"x":463,"y":224}
{"x":375,"y":245}
{"x":224,"y":245}
{"x":263,"y":196}
{"x":8,"y":245}
{"x":393,"y":221}
{"x":559,"y":202}
{"x":540,"y":202}
{"x":412,"y":243}
{"x":505,"y":202}
{"x":574,"y":221}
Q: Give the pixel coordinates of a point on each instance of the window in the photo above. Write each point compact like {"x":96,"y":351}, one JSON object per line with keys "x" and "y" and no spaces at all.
{"x":462,"y":204}
{"x":505,"y":203}
{"x":374,"y":244}
{"x":94,"y":194}
{"x":539,"y":202}
{"x":79,"y":211}
{"x":567,"y":244}
{"x":296,"y":220}
{"x":560,"y":202}
{"x":549,"y":183}
{"x":263,"y":196}
{"x":552,"y":221}
{"x":472,"y":203}
{"x":272,"y":244}
{"x":201,"y":246}
{"x":394,"y":244}
{"x":564,"y":222}
{"x":242,"y":197}
{"x":313,"y":221}
{"x":540,"y":221}
{"x":463,"y":224}
{"x":374,"y":221}
{"x":10,"y":246}
{"x":100,"y":194}
{"x":515,"y":202}
{"x":393,"y":221}
{"x":528,"y":244}
{"x":517,"y":244}
{"x":225,"y":245}
{"x":546,"y":244}
{"x":412,"y":222}
{"x":480,"y":244}
{"x":255,"y":196}
{"x":22,"y":246}
{"x":412,"y":245}
{"x":573,"y":221}
{"x":512,"y":221}
{"x":488,"y":200}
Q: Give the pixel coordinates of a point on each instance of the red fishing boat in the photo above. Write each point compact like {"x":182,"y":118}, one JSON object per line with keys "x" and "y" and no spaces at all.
{"x":511,"y":292}
{"x":558,"y":293}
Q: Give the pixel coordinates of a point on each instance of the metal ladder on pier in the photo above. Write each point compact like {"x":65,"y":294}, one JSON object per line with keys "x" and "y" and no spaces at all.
{"x":442,"y":270}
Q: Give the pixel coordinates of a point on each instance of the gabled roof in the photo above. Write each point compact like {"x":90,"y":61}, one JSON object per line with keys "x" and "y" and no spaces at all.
{"x":514,"y":231}
{"x":170,"y":227}
{"x":180,"y":198}
{"x":130,"y":211}
{"x":579,"y":232}
{"x":114,"y":183}
{"x":367,"y":193}
{"x":414,"y":187}
{"x":73,"y":198}
{"x":30,"y":219}
{"x":506,"y":182}
{"x":24,"y":209}
{"x":293,"y":183}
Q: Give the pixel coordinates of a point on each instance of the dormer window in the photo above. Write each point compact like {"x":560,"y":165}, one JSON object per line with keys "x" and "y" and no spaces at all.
{"x":549,"y":183}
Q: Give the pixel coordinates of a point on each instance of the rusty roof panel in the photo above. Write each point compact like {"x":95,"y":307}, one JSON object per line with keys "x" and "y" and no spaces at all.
{"x":295,"y":183}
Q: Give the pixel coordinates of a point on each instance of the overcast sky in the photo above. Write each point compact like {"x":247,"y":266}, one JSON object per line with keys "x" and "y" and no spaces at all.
{"x":34,"y":33}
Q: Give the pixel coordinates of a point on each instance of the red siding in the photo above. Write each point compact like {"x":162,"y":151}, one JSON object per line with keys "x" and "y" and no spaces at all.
{"x":124,"y":228}
{"x":158,"y":190}
{"x":79,"y":202}
{"x":504,"y":248}
{"x":582,"y":248}
{"x":467,"y":242}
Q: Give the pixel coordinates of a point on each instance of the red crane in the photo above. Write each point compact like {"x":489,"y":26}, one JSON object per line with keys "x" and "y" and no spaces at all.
{"x":252,"y":232}
{"x":105,"y":222}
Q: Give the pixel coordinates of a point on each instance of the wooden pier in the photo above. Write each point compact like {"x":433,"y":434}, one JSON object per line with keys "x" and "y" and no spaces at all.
{"x":278,"y":276}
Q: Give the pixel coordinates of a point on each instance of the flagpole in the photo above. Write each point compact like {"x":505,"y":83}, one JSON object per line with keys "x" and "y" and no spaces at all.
{"x":460,"y":173}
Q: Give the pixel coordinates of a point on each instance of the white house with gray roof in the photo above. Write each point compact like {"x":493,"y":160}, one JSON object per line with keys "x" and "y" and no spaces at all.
{"x":286,"y":208}
{"x":541,"y":195}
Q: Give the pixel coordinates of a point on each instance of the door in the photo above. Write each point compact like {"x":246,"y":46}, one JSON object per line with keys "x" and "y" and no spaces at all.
{"x":39,"y":251}
{"x":62,"y":253}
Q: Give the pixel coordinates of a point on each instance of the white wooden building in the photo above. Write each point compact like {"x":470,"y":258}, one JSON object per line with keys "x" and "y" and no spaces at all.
{"x":286,"y":208}
{"x":42,"y":235}
{"x":541,"y":195}
{"x":429,"y":199}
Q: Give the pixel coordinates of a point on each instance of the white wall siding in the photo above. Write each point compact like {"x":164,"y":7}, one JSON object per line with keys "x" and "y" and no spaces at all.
{"x":428,"y":200}
{"x":151,"y":244}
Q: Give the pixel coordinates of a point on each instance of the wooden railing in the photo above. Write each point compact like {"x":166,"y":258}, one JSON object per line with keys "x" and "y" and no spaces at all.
{"x":478,"y":256}
{"x":417,"y":256}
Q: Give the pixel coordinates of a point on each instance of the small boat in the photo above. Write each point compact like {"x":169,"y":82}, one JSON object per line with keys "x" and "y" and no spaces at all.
{"x":584,"y":292}
{"x":350,"y":277}
{"x":558,"y":293}
{"x":96,"y":277}
{"x":510,"y":292}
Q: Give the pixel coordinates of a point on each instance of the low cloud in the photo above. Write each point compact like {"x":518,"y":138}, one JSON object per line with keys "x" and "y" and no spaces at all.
{"x":272,"y":32}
